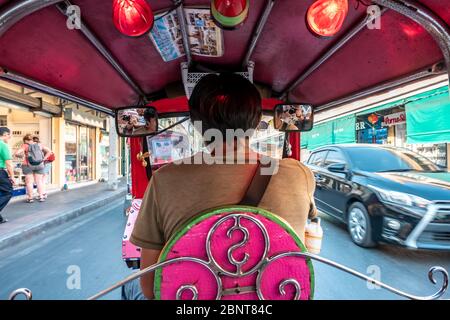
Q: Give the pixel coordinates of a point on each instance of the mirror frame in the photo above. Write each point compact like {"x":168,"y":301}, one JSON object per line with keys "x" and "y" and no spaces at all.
{"x":116,"y":116}
{"x":294,"y":103}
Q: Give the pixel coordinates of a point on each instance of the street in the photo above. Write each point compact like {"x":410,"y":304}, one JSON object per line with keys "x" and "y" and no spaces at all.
{"x":91,"y":245}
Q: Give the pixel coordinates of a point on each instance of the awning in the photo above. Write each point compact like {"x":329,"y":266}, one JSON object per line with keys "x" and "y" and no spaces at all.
{"x":427,"y":118}
{"x":341,"y":130}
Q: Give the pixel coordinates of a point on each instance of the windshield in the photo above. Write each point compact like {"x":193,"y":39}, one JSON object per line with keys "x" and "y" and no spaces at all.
{"x":183,"y":141}
{"x":388,"y":159}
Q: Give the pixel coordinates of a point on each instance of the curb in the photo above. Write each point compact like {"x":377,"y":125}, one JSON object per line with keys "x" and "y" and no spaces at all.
{"x":64,"y":217}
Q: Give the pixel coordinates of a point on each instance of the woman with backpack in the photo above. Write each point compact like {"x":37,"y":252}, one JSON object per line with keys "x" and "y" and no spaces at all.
{"x":50,"y":157}
{"x":33,"y":166}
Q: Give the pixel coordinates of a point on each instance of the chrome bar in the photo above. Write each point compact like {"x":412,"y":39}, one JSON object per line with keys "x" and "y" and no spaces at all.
{"x":429,"y":20}
{"x":9,"y":75}
{"x":153,"y":268}
{"x":62,"y":7}
{"x":330,"y":52}
{"x":432,"y":210}
{"x":184,"y":33}
{"x":257,"y":33}
{"x":425,"y":73}
{"x":26,"y":292}
{"x":431,"y":275}
{"x":17,"y":10}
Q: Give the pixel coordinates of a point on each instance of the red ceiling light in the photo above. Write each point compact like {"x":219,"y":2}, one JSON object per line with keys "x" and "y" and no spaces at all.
{"x":229,"y":14}
{"x":132,"y":17}
{"x":325,"y":17}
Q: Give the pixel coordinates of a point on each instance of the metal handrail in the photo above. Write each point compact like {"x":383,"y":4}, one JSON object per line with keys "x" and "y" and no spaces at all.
{"x":431,"y":276}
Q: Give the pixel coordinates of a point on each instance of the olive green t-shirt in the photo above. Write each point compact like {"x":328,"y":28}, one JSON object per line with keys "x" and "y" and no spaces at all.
{"x":176,"y":193}
{"x":5,"y":154}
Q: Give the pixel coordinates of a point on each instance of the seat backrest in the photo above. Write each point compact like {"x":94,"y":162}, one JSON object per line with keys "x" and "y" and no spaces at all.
{"x":235,"y":253}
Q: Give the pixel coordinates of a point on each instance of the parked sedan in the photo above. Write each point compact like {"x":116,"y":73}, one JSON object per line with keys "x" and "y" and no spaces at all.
{"x":384,"y":194}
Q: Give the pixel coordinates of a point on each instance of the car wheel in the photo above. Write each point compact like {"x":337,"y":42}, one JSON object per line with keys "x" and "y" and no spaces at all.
{"x":360,"y":226}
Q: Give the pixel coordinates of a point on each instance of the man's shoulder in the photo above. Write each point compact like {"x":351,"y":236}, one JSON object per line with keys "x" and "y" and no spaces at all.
{"x":292,"y":166}
{"x":3,"y":145}
{"x":177,"y":167}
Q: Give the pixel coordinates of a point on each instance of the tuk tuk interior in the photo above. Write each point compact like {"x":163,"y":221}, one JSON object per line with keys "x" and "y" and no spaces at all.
{"x":89,"y":62}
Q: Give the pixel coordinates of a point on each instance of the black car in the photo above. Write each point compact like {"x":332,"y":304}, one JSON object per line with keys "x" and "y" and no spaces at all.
{"x":384,"y":194}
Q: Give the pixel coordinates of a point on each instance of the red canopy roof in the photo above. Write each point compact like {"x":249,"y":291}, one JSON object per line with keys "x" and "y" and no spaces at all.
{"x":42,"y":48}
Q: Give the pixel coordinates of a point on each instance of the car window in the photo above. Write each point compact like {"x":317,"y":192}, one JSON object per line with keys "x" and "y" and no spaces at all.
{"x":334,"y":157}
{"x":317,"y":158}
{"x":388,"y":159}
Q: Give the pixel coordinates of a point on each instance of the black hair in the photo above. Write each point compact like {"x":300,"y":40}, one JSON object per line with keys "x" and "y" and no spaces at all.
{"x":225,"y":101}
{"x":4,"y":130}
{"x":149,"y":114}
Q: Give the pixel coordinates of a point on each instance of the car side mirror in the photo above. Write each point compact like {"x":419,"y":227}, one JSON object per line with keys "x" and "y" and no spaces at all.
{"x":338,"y":168}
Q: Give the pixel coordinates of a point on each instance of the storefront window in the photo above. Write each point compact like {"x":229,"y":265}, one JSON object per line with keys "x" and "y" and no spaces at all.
{"x":71,"y":153}
{"x":104,"y":153}
{"x":389,"y":127}
{"x":437,"y":153}
{"x":79,"y":152}
{"x":84,"y":154}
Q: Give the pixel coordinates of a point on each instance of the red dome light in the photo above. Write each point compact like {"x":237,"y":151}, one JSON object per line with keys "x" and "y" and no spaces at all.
{"x":229,"y":14}
{"x":132,"y":17}
{"x":326,"y":17}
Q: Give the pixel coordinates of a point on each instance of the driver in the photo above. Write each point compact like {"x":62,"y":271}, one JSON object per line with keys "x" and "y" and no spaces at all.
{"x":177,"y":192}
{"x":150,"y":123}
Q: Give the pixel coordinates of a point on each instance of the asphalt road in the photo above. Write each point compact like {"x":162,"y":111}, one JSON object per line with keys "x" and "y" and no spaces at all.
{"x":90,"y":247}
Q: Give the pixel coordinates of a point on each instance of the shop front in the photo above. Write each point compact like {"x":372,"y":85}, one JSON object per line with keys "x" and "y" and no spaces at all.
{"x":418,"y":123}
{"x":79,"y":152}
{"x":386,"y":126}
{"x":85,"y":144}
{"x":414,"y":123}
{"x":22,"y":121}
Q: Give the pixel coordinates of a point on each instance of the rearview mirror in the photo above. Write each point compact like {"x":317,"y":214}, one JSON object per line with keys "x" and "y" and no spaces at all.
{"x":136,"y":122}
{"x":293,"y":117}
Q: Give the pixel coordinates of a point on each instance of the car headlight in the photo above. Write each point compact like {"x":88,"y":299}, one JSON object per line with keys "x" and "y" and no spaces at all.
{"x":401,"y":199}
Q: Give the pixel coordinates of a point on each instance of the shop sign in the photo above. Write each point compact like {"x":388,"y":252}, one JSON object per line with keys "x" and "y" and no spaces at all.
{"x":394,"y":119}
{"x":371,"y":121}
{"x":83,"y":118}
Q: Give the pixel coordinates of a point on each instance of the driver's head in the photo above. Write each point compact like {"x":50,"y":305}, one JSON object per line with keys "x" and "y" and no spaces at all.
{"x":150,"y":119}
{"x":225,"y":101}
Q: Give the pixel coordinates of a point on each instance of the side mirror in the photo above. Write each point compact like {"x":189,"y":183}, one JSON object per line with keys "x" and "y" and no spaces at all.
{"x":136,"y":122}
{"x":338,"y":168}
{"x":293,"y":117}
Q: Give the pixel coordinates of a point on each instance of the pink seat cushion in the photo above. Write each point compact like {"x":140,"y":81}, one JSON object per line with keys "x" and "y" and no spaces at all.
{"x":238,"y":241}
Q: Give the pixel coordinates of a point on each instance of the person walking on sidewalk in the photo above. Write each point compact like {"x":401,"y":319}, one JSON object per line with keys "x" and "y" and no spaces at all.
{"x":33,"y":165}
{"x":6,"y":170}
{"x":50,"y":156}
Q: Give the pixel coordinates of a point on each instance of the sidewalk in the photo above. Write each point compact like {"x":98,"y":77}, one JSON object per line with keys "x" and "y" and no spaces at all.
{"x":29,"y":219}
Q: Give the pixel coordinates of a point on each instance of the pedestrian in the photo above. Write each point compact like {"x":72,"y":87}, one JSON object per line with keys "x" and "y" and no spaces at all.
{"x":50,"y":156}
{"x":33,"y":165}
{"x":6,"y":171}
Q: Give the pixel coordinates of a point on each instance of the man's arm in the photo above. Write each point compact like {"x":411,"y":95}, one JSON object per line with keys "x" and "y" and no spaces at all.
{"x":19,"y":152}
{"x":10,"y":169}
{"x":47,"y":152}
{"x":148,"y":258}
